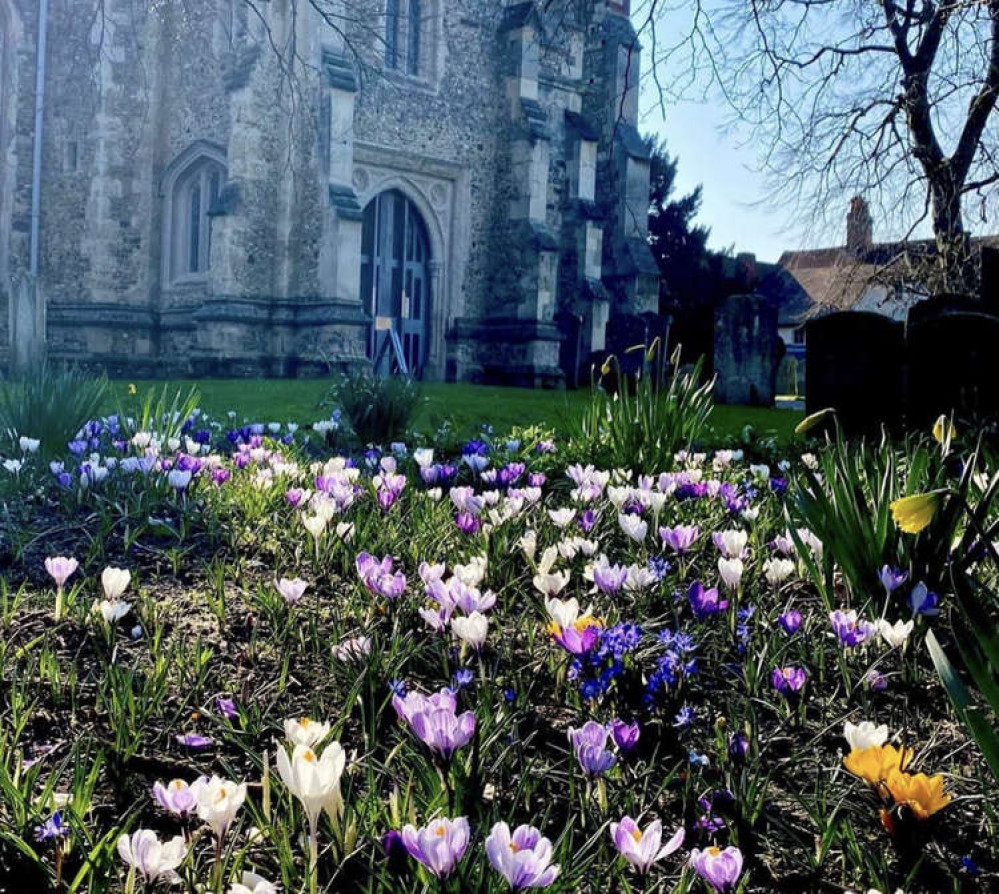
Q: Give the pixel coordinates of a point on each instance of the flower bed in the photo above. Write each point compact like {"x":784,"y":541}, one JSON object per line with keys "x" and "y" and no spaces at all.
{"x":236,"y":662}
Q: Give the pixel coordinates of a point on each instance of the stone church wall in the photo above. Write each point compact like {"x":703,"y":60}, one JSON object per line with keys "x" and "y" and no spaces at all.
{"x":494,"y":141}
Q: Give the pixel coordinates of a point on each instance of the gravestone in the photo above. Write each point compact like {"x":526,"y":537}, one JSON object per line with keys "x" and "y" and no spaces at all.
{"x":855,"y":364}
{"x":746,"y":351}
{"x":953,"y":361}
{"x":570,"y":325}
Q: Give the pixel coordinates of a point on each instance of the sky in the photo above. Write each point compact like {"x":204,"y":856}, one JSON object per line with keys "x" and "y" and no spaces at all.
{"x":725,"y":165}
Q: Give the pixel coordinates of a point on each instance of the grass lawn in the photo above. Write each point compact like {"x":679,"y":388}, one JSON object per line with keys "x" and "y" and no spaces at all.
{"x":467,"y":406}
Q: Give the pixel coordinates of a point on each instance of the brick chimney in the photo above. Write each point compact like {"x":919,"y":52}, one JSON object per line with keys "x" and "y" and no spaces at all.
{"x":859,"y":226}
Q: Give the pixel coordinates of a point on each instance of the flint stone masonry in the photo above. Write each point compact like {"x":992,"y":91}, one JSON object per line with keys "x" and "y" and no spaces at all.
{"x":208,"y":207}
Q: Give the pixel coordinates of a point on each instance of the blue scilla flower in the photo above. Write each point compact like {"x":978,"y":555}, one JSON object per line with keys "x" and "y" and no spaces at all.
{"x":659,"y":566}
{"x":463,"y":677}
{"x":398,"y":687}
{"x":52,"y":828}
{"x":685,"y":717}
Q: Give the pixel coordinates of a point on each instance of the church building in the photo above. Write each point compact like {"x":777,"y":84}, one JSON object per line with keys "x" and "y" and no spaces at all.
{"x":283,"y":187}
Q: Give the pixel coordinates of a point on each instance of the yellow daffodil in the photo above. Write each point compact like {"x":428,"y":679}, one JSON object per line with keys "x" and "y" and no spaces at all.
{"x":809,"y":422}
{"x":923,"y":795}
{"x":914,"y":513}
{"x":874,"y":764}
{"x":943,"y":430}
{"x":132,"y":389}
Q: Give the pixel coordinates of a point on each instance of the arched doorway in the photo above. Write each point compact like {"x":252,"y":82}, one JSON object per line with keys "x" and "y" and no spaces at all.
{"x":395,"y":276}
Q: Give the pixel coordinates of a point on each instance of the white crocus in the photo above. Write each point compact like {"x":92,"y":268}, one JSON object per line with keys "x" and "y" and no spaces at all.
{"x":303,"y":731}
{"x":552,"y":583}
{"x":895,"y":634}
{"x":864,"y":735}
{"x":732,"y":543}
{"x":151,"y":858}
{"x":251,"y":883}
{"x":778,"y":570}
{"x":562,"y":517}
{"x":112,"y":610}
{"x":28,"y":445}
{"x":315,"y":525}
{"x":471,"y":630}
{"x":219,"y":801}
{"x":564,"y":612}
{"x":115,"y":582}
{"x":528,"y":545}
{"x":634,"y":526}
{"x":315,"y":781}
{"x":731,"y":571}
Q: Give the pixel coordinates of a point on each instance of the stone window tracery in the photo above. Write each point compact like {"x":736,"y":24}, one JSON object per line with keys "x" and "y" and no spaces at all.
{"x":410,"y":36}
{"x":195,"y":190}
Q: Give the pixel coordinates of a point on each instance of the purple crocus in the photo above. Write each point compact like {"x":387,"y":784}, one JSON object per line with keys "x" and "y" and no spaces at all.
{"x":850,"y":630}
{"x":436,"y":722}
{"x":524,"y":858}
{"x":788,"y":680}
{"x":719,"y":868}
{"x":195,"y":742}
{"x":923,"y":601}
{"x":625,"y":735}
{"x":379,"y":578}
{"x":738,"y":746}
{"x":679,"y":538}
{"x":439,"y":845}
{"x":892,"y":578}
{"x":703,"y":602}
{"x":590,"y":744}
{"x":790,"y":621}
{"x":227,"y":708}
{"x":467,"y":523}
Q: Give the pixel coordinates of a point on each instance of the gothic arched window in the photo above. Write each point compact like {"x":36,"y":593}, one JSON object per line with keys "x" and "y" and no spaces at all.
{"x":193,"y":188}
{"x":410,"y":37}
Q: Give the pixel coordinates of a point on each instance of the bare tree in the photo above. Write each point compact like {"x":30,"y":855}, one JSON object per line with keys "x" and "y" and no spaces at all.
{"x":890,"y":98}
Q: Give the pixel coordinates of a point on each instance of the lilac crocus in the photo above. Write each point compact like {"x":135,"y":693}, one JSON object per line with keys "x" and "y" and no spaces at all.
{"x":379,"y":578}
{"x":705,"y":603}
{"x":788,"y":680}
{"x":590,"y":744}
{"x":719,"y":868}
{"x":850,"y":630}
{"x":609,"y":578}
{"x":680,"y":538}
{"x":194,"y":741}
{"x":892,"y":578}
{"x":524,"y":858}
{"x":790,"y":621}
{"x":439,"y":845}
{"x":177,"y":797}
{"x":625,"y":735}
{"x":60,"y":568}
{"x":436,"y":722}
{"x":643,"y":848}
{"x":227,"y":708}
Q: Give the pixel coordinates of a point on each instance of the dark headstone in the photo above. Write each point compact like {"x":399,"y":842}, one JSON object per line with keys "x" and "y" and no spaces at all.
{"x":855,"y":365}
{"x":746,"y":351}
{"x":570,"y":350}
{"x":953,"y":361}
